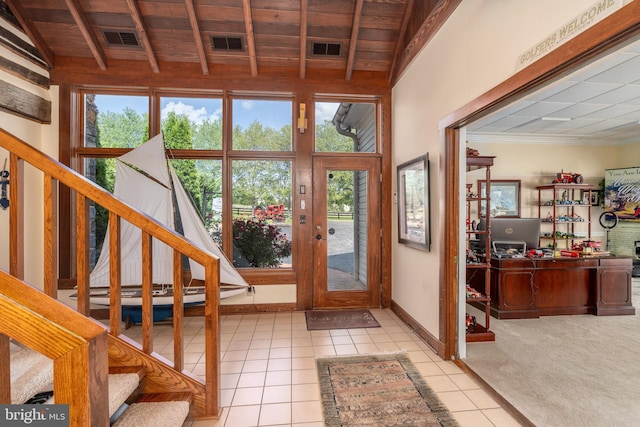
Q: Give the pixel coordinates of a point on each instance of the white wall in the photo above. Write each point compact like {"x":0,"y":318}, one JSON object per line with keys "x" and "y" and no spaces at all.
{"x":43,"y":137}
{"x":475,"y":50}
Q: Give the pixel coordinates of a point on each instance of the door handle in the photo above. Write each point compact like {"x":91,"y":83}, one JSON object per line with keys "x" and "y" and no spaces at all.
{"x":318,"y":237}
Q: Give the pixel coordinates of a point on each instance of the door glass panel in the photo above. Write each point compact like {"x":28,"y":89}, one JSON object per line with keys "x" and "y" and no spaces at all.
{"x":346,"y":230}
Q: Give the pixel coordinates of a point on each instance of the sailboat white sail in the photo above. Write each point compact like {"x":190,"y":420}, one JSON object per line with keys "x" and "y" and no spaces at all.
{"x":153,"y":192}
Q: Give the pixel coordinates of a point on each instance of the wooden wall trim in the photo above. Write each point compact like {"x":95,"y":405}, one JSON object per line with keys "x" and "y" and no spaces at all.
{"x":620,"y":26}
{"x":130,"y":74}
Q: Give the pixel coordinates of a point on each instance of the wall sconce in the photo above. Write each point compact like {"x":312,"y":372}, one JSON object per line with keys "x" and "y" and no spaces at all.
{"x":302,"y":120}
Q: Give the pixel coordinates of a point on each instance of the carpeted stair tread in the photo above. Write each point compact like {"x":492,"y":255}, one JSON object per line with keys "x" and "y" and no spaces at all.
{"x":139,"y":370}
{"x":154,"y":414}
{"x":121,"y":386}
{"x":31,"y":373}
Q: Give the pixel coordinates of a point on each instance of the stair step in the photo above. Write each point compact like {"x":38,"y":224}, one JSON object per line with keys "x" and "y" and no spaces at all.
{"x":140,"y":370}
{"x":31,"y":373}
{"x":121,"y":387}
{"x":157,"y":410}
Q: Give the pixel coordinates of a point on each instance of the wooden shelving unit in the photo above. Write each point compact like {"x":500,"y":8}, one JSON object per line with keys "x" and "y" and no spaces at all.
{"x":482,"y":264}
{"x":561,"y":207}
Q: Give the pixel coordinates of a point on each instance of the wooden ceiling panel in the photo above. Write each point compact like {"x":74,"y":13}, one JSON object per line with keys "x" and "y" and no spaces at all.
{"x":170,"y":31}
{"x":112,"y":21}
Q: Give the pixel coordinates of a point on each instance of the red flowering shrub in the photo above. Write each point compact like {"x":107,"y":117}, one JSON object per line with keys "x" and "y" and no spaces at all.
{"x":260,"y":243}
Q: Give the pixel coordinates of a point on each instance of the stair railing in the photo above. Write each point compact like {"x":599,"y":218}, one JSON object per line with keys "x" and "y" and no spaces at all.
{"x":54,"y":173}
{"x":76,"y":344}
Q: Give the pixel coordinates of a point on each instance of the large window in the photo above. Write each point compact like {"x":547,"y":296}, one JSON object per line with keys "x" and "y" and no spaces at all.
{"x":201,"y":151}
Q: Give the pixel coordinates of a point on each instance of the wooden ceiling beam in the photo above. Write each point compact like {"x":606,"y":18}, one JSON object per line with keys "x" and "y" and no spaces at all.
{"x":304,"y":6}
{"x":81,"y":21}
{"x":31,"y":31}
{"x":355,"y":28}
{"x":437,"y":17}
{"x":403,"y":30}
{"x":251,"y":43}
{"x":193,"y":20}
{"x":142,"y":33}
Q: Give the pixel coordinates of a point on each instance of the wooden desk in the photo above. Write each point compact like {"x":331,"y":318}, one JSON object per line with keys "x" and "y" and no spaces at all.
{"x":533,"y":287}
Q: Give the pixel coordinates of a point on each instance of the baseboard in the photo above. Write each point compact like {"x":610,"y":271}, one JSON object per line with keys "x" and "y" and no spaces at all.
{"x":433,"y":342}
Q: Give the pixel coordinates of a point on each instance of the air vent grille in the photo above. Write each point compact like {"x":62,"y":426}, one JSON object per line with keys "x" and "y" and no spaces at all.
{"x":233,"y":44}
{"x":121,"y":38}
{"x":326,"y":49}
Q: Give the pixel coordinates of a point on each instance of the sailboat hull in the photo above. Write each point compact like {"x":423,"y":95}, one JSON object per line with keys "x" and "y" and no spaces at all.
{"x":161,"y":297}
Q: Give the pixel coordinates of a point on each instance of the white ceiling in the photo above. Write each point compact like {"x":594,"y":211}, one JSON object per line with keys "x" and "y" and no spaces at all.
{"x":599,"y":103}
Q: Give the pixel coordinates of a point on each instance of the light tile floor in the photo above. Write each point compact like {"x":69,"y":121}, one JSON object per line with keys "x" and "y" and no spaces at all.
{"x":269,"y":377}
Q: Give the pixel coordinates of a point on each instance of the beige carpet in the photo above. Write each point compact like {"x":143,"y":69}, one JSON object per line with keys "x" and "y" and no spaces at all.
{"x":31,"y":373}
{"x":566,"y":370}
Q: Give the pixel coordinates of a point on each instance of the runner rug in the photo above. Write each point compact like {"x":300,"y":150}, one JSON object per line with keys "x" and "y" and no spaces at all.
{"x":380,"y":390}
{"x":340,"y":319}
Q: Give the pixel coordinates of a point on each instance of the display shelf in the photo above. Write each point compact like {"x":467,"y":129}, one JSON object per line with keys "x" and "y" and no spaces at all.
{"x":561,"y":207}
{"x":477,"y":332}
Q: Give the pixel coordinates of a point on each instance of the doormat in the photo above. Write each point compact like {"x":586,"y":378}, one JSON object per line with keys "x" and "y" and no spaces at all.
{"x":340,"y":319}
{"x":383,"y":390}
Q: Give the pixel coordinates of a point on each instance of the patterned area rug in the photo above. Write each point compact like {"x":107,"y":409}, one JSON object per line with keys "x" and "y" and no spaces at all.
{"x":340,"y":319}
{"x":378,"y":390}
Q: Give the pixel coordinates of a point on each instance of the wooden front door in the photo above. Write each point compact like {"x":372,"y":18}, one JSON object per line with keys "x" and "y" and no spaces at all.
{"x":346,"y":222}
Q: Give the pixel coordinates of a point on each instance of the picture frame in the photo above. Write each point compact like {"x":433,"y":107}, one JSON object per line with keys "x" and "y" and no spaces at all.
{"x":622,"y":193}
{"x":504,"y":197}
{"x":414,"y":217}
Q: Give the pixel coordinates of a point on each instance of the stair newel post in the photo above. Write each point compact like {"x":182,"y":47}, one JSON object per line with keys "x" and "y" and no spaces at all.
{"x":80,"y":377}
{"x":212,"y":337}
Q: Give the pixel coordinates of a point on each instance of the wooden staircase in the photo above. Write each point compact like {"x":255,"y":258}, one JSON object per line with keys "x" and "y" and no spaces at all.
{"x":127,"y":405}
{"x":83,"y":350}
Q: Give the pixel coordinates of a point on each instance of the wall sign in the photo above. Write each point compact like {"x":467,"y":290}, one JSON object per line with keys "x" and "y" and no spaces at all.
{"x":622,"y":193}
{"x":594,"y":14}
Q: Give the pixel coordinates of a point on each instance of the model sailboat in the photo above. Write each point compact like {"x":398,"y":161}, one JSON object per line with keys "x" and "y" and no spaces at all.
{"x":146,"y":180}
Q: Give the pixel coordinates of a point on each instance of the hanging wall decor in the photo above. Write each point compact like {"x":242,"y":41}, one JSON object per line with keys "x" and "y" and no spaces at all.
{"x":413,"y":203}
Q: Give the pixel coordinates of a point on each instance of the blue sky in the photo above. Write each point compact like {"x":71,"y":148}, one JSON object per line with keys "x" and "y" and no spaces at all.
{"x":271,"y":113}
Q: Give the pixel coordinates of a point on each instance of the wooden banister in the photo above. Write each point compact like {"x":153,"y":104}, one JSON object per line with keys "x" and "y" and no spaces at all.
{"x":85,"y":190}
{"x":76,"y":344}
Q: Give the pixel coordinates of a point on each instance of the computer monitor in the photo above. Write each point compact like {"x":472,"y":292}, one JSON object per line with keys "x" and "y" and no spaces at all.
{"x":516,"y":230}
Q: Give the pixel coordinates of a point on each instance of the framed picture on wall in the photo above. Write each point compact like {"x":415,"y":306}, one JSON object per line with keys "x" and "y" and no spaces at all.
{"x":504,"y":197}
{"x":413,"y":203}
{"x":622,"y":193}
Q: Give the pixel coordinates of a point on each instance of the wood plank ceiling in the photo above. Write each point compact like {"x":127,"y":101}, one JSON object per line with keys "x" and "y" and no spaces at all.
{"x":293,"y":35}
